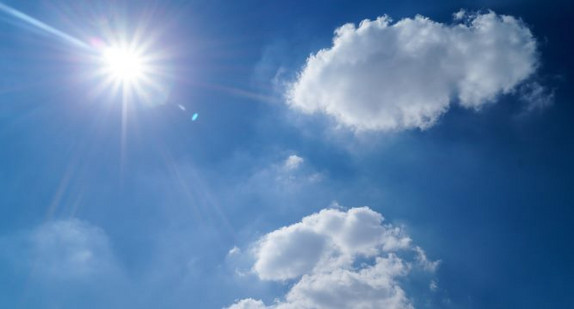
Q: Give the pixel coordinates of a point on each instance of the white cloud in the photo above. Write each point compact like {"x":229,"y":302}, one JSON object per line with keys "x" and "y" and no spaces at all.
{"x":394,"y":76}
{"x":293,"y":162}
{"x":70,"y":249}
{"x":233,"y":251}
{"x":338,"y":259}
{"x":248,"y":303}
{"x":423,"y":260}
{"x":283,"y":177}
{"x":433,"y":286}
{"x":536,"y":96}
{"x":459,"y":15}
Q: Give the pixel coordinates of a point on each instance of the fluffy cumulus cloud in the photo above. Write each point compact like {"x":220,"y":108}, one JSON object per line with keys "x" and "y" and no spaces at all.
{"x":386,"y":76}
{"x":338,"y":259}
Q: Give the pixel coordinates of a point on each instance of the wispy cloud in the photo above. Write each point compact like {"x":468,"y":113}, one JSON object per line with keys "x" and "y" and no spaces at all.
{"x":536,"y":96}
{"x":71,"y":250}
{"x":62,"y":259}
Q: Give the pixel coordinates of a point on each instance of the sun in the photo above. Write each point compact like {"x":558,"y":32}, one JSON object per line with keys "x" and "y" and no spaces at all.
{"x":124,"y":65}
{"x":133,"y":70}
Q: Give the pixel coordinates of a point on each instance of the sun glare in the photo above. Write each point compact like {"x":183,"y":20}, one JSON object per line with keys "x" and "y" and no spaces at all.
{"x":123,"y":65}
{"x":129,"y":68}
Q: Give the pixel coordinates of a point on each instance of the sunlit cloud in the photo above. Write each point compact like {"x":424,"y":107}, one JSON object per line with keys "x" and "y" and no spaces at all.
{"x":389,"y":76}
{"x":339,"y":259}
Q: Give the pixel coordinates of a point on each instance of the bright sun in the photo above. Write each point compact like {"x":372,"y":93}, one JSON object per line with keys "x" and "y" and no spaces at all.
{"x":129,"y":68}
{"x":124,"y":65}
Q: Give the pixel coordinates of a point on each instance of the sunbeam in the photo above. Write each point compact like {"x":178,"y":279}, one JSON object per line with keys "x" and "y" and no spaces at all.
{"x":42,"y":26}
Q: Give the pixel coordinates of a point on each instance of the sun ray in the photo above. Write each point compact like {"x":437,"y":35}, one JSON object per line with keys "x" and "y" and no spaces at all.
{"x":45,"y":27}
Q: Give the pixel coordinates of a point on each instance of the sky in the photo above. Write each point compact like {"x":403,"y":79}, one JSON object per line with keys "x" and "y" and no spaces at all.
{"x":286,"y":154}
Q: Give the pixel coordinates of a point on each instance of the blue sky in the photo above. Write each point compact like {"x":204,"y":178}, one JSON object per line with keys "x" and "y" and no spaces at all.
{"x":344,"y":154}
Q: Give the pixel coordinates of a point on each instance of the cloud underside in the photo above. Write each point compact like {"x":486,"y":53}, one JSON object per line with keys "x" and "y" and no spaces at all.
{"x":384,"y":76}
{"x":338,"y":259}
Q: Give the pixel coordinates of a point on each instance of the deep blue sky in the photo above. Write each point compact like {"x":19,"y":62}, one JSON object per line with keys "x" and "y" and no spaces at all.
{"x":489,"y":193}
